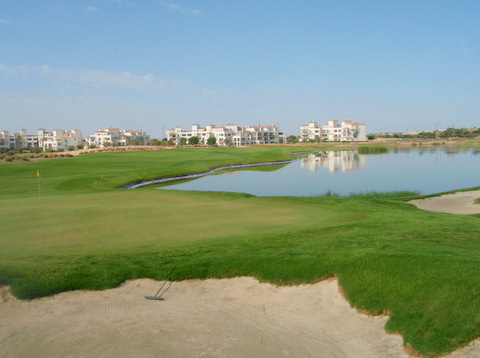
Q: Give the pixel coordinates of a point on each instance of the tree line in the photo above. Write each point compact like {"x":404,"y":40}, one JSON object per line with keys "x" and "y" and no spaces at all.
{"x":447,"y":133}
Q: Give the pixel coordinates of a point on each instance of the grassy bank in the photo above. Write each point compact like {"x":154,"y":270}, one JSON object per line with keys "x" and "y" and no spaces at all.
{"x":90,"y":173}
{"x":82,"y":233}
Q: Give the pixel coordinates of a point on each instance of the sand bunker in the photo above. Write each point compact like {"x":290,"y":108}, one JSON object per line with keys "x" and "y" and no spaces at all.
{"x":462,"y":202}
{"x":216,"y":318}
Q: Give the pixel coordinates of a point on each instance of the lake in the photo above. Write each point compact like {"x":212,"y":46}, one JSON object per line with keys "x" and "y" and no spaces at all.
{"x":431,"y":170}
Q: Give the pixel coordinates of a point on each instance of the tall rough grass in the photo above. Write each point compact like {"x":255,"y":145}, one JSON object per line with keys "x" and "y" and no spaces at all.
{"x":369,"y":195}
{"x":372,"y":150}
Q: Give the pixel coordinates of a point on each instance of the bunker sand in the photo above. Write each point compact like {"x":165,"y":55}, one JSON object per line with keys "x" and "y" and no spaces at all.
{"x":461,"y":202}
{"x":236,"y":317}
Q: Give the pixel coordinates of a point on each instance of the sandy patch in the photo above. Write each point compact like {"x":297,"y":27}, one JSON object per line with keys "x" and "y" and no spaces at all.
{"x":213,"y":318}
{"x":462,"y":202}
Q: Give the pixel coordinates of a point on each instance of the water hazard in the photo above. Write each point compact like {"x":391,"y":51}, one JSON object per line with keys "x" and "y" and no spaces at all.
{"x":429,"y":170}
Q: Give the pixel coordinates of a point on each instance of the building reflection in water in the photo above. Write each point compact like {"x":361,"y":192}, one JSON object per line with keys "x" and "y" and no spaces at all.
{"x":333,"y":160}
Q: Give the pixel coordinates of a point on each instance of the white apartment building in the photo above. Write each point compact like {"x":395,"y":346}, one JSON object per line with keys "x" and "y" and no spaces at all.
{"x":19,"y":139}
{"x":8,"y":140}
{"x":104,"y":137}
{"x":311,"y":130}
{"x":115,"y":136}
{"x":58,"y":139}
{"x":138,"y":136}
{"x":231,"y":133}
{"x":347,"y":131}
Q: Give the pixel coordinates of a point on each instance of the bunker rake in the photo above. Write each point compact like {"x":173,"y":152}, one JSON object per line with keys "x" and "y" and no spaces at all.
{"x":160,"y":298}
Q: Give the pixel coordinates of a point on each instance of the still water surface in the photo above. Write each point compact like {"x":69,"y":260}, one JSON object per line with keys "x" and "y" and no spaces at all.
{"x":343,"y":172}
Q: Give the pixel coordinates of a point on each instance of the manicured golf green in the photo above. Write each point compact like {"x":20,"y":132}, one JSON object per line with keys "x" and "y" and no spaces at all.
{"x":71,"y":229}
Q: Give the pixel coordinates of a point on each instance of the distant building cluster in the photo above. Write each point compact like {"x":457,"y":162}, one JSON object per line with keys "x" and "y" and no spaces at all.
{"x":58,"y":139}
{"x":109,"y":136}
{"x":230,"y":134}
{"x":346,"y":131}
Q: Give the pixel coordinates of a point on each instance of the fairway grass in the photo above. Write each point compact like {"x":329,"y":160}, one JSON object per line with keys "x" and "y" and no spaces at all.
{"x":79,"y":232}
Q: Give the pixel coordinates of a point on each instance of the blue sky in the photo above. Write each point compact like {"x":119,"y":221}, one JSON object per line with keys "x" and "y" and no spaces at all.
{"x":150,"y":64}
